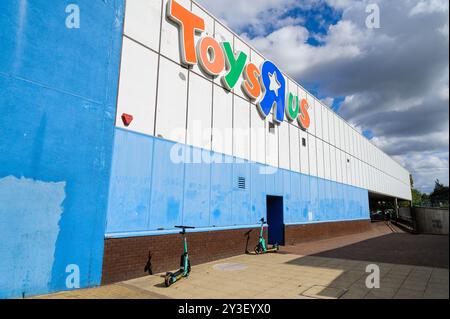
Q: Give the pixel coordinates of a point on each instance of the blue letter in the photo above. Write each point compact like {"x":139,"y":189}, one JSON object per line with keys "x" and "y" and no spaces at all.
{"x":274,"y":87}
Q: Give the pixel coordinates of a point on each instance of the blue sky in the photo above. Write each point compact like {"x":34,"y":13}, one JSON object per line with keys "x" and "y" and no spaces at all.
{"x":390,"y":83}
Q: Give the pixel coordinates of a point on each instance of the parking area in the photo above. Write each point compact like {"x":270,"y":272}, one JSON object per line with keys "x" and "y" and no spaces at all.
{"x":411,"y":266}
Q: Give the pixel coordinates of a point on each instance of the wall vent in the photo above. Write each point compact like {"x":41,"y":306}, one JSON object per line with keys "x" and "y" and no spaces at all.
{"x":241,"y":182}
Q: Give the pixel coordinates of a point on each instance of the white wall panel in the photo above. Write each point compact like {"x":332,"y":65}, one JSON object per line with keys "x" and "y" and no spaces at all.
{"x":312,"y":155}
{"x":240,"y":46}
{"x":222,"y":134}
{"x":140,"y":17}
{"x":209,"y":31}
{"x":295,"y":145}
{"x":325,"y":123}
{"x":304,"y":153}
{"x":327,"y":160}
{"x":320,"y":159}
{"x":331,"y":129}
{"x":333,"y":163}
{"x":170,"y":41}
{"x":283,"y":147}
{"x":342,"y":135}
{"x":271,"y":143}
{"x":335,"y":138}
{"x":241,"y":128}
{"x":172,"y":96}
{"x":137,"y":87}
{"x":199,"y":112}
{"x":344,"y":167}
{"x":257,"y":136}
{"x":317,"y":115}
{"x":338,"y":166}
{"x":221,"y":34}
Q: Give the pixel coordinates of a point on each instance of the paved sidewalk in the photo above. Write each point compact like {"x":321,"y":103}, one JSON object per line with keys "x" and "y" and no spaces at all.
{"x":291,"y":274}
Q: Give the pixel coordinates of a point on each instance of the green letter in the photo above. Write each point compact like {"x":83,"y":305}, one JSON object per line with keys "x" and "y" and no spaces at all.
{"x":235,"y":66}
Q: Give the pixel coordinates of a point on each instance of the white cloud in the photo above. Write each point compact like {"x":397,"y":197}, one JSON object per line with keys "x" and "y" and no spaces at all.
{"x":394,"y":79}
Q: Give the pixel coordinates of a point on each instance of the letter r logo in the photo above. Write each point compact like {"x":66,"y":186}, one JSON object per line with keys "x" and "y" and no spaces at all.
{"x":274,"y":86}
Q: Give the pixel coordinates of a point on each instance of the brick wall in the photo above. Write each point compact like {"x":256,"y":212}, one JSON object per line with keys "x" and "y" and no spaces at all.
{"x":303,"y":233}
{"x":125,"y":258}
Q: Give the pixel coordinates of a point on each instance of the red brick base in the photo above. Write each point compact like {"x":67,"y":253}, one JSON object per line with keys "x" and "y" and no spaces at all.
{"x":125,"y":258}
{"x":303,"y":233}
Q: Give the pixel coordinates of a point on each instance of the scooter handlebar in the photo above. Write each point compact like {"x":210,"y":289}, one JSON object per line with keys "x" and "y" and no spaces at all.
{"x":262,"y":220}
{"x":186,"y":227}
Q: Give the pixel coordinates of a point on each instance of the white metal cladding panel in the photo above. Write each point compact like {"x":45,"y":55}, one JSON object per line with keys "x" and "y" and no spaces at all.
{"x":353,"y":142}
{"x":312,"y":154}
{"x":295,"y":145}
{"x":332,"y":132}
{"x":171,"y":106}
{"x":304,"y":153}
{"x":199,"y":112}
{"x":240,"y":46}
{"x":325,"y":128}
{"x":141,"y":16}
{"x":327,"y":160}
{"x":342,"y":134}
{"x":241,"y":128}
{"x":347,"y":138}
{"x":170,"y":41}
{"x":338,"y":166}
{"x":344,"y":167}
{"x":209,"y":31}
{"x":283,"y":147}
{"x":222,"y":135}
{"x":317,"y":115}
{"x":272,"y":143}
{"x":364,"y":175}
{"x":320,"y":159}
{"x":350,"y":172}
{"x":257,"y":136}
{"x":337,"y":133}
{"x":360,"y":174}
{"x":333,"y":163}
{"x":137,"y":87}
{"x":221,"y":34}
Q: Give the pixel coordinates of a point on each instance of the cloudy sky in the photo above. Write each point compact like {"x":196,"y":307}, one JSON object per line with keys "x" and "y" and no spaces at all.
{"x":389,"y":82}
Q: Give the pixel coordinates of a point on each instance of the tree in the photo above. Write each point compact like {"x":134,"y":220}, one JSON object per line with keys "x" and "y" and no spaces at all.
{"x":440,"y":191}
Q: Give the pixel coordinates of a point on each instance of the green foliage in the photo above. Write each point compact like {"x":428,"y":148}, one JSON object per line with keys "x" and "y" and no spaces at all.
{"x":440,"y":192}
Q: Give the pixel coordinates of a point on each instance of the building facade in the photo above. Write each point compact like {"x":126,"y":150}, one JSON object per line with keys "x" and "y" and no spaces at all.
{"x":153,"y":114}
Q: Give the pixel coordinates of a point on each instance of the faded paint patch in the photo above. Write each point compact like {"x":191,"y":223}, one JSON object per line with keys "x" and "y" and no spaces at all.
{"x":30,"y":211}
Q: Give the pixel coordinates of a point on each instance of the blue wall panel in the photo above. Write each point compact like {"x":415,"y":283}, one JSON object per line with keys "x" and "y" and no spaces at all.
{"x":130,"y":184}
{"x":197,"y":186}
{"x":241,"y":207}
{"x":167,"y":187}
{"x":57,"y":104}
{"x":258,"y":192}
{"x":208,"y":195}
{"x":222,"y":192}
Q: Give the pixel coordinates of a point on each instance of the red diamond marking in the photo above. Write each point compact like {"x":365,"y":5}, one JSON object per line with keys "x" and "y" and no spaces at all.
{"x":127,"y":119}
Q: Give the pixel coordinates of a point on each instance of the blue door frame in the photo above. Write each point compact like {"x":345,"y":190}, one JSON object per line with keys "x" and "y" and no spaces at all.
{"x":275,"y":220}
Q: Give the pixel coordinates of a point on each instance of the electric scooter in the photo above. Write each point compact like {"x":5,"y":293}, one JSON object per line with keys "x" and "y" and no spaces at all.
{"x":261,"y":247}
{"x":185,"y":265}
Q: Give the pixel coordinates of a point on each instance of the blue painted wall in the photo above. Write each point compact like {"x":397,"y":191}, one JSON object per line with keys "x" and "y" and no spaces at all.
{"x":150,"y":194}
{"x":58,"y":91}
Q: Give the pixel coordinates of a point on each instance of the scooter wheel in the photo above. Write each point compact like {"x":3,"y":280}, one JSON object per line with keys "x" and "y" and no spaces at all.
{"x":168,"y":279}
{"x":258,"y":249}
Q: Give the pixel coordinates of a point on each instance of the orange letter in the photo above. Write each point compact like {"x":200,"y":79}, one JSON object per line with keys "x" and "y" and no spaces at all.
{"x":251,"y":85}
{"x":189,"y":24}
{"x":303,"y":117}
{"x":211,"y":56}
